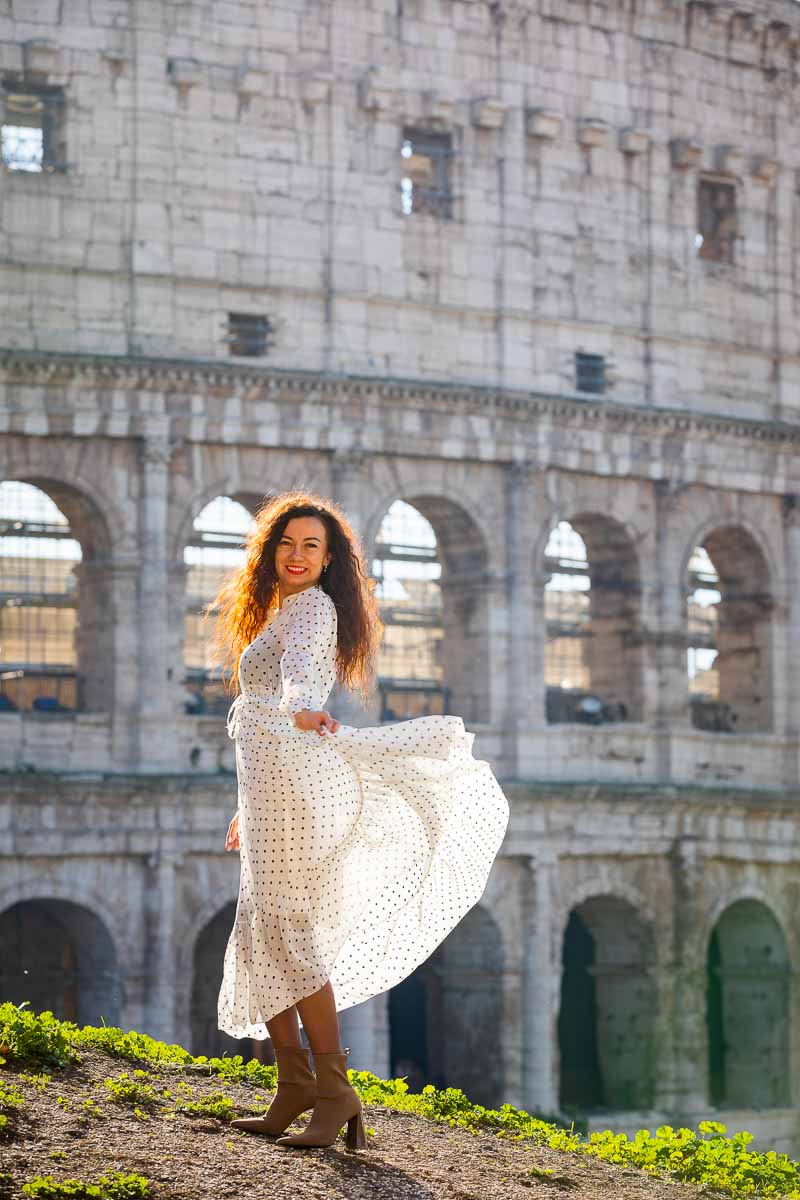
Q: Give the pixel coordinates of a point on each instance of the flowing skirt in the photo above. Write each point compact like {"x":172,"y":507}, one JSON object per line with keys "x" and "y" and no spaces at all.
{"x":359,"y":852}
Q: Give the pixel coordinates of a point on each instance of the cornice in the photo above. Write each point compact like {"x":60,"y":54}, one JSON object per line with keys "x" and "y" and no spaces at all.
{"x":185,"y":376}
{"x":666,"y":796}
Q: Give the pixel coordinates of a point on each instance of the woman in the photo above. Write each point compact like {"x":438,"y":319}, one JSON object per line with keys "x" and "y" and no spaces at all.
{"x":360,"y":848}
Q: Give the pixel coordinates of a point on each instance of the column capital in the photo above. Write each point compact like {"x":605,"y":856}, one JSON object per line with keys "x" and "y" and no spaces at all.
{"x":348,"y":461}
{"x":522,"y":472}
{"x":115,"y":567}
{"x":158,"y":450}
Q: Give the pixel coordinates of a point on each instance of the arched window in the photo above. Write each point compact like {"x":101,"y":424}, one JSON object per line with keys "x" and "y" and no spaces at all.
{"x":747,"y":1010}
{"x":728,"y":633}
{"x":39,"y":600}
{"x":592,"y":662}
{"x":407,"y":571}
{"x":216,"y":548}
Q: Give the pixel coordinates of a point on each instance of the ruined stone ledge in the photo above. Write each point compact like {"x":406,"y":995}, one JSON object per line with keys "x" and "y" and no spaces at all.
{"x":109,"y":787}
{"x":184,"y":376}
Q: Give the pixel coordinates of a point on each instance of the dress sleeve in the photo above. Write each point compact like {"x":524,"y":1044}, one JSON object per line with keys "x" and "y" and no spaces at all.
{"x":310,"y":638}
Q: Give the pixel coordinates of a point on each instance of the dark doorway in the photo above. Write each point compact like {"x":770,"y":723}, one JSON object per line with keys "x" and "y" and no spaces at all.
{"x":446,"y":1019}
{"x":581,"y":1081}
{"x":748,"y":1009}
{"x":606,"y":1021}
{"x":59,"y":956}
{"x":209,"y":957}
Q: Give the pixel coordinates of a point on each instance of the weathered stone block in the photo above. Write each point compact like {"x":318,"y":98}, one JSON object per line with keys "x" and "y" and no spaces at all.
{"x":634,"y":141}
{"x":592,"y":133}
{"x":543,"y":123}
{"x":488,"y":112}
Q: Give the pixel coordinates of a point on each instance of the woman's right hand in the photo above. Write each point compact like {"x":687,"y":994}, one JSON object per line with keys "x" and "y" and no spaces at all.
{"x":232,"y":836}
{"x":320,"y":722}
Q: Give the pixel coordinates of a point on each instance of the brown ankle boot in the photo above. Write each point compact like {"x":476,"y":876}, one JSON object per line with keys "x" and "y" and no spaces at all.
{"x":337,"y":1102}
{"x":297,"y":1091}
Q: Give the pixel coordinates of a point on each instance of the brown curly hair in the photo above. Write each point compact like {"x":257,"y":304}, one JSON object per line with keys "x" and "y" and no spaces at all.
{"x":249,"y":596}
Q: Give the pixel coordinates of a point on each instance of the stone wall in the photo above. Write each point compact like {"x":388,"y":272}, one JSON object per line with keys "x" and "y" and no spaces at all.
{"x":246,"y":158}
{"x":242,"y":158}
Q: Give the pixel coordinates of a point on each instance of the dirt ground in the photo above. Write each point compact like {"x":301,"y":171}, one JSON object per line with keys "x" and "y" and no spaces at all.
{"x":202,"y":1158}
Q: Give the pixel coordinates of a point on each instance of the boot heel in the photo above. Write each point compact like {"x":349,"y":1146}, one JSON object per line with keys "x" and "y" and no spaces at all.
{"x":356,"y":1138}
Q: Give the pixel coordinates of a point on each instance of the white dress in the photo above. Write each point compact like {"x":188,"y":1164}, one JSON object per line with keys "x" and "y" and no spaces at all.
{"x":360,"y":850}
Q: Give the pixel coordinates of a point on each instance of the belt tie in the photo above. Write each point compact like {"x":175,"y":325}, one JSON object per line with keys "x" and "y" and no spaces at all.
{"x":242,"y":701}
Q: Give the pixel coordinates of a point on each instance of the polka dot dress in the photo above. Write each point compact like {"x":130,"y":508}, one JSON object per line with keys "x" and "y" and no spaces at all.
{"x":360,"y":850}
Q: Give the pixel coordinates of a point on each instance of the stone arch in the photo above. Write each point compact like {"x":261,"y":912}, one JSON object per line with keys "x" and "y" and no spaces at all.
{"x":249,"y":498}
{"x":440,"y":1014}
{"x":606,"y":1016}
{"x":187,"y":941}
{"x":59,"y":955}
{"x":48,"y":463}
{"x":610,"y":629}
{"x":208,"y":956}
{"x":465,"y":581}
{"x":747,"y":1009}
{"x":628,"y":504}
{"x":73,"y":891}
{"x":89,"y":684}
{"x":759,"y":895}
{"x":245,"y":470}
{"x":455,"y":497}
{"x":696,"y":534}
{"x":737,"y":692}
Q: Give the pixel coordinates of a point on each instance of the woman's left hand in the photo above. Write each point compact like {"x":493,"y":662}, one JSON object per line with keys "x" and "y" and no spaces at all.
{"x":320,"y":722}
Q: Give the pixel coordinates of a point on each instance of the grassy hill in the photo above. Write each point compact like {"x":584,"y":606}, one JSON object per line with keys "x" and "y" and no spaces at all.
{"x":102,"y":1114}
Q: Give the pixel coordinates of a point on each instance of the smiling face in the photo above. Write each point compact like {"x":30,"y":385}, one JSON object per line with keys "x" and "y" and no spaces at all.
{"x":300,"y":555}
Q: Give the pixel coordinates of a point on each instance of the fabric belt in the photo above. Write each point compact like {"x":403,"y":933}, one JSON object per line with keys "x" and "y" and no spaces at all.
{"x":251,"y":699}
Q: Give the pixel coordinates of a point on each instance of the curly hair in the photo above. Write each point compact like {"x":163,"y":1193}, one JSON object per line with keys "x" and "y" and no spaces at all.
{"x":248,"y":598}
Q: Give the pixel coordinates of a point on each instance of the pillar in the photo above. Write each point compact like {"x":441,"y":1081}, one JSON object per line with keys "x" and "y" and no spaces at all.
{"x":524,"y":698}
{"x":107,"y":644}
{"x":786,"y":684}
{"x":162,"y":950}
{"x":541,"y":984}
{"x":681,"y":1035}
{"x":157,"y":707}
{"x":668,"y":709}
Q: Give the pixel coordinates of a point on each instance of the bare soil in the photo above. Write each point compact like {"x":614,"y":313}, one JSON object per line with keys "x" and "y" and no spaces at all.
{"x":202,"y":1158}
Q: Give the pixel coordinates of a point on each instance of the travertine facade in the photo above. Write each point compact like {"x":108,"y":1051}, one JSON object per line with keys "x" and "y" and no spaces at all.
{"x":245,"y":158}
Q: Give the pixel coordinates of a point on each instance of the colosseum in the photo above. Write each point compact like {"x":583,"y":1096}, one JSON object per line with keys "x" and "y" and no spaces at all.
{"x":518,"y":284}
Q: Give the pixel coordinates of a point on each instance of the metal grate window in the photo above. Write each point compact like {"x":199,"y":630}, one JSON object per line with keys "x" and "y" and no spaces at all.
{"x":425,"y":184}
{"x":32,"y":129}
{"x":249,"y":334}
{"x":703,"y":619}
{"x":216,"y":548}
{"x":407,"y":572}
{"x":590,"y":373}
{"x":38,"y":602}
{"x":566,"y":609}
{"x":716,"y":220}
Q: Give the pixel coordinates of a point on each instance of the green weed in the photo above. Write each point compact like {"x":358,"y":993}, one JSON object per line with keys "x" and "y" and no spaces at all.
{"x":216,"y":1105}
{"x":38,"y":1037}
{"x":133,"y":1089}
{"x":108,"y":1187}
{"x":705,"y":1156}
